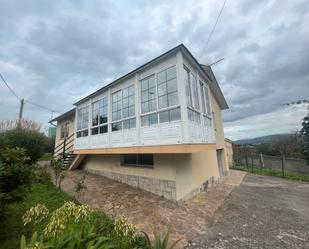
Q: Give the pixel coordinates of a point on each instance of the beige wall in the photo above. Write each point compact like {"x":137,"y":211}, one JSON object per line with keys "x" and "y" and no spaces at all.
{"x":229,"y":152}
{"x":193,"y":170}
{"x":58,"y":140}
{"x":220,"y":141}
{"x":164,"y":166}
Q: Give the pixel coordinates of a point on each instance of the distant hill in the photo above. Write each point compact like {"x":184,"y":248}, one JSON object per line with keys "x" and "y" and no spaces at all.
{"x":259,"y":140}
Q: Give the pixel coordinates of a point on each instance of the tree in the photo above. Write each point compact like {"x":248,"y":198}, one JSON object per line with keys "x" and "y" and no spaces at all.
{"x":27,"y":135}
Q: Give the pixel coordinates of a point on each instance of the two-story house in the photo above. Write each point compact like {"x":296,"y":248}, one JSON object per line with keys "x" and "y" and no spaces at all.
{"x":158,"y":128}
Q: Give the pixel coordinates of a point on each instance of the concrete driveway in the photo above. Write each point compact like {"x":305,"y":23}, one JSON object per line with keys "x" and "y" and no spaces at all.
{"x":263,"y":212}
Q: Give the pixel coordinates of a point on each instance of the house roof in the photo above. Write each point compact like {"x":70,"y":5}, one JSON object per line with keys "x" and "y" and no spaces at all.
{"x":208,"y":73}
{"x":64,"y":115}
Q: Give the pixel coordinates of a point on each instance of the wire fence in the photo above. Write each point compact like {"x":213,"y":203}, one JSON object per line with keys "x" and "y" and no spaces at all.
{"x":276,"y":163}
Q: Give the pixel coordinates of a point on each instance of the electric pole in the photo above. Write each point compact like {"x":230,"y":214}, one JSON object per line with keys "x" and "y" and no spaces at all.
{"x":21,"y":109}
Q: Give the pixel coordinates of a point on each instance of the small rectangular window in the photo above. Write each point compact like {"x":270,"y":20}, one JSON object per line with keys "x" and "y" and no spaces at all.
{"x":129,"y":124}
{"x":138,"y":160}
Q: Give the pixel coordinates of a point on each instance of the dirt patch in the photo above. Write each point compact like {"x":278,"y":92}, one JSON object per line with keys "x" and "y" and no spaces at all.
{"x":147,"y":210}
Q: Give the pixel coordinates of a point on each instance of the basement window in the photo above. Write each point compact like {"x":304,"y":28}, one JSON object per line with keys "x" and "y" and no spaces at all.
{"x":138,"y":160}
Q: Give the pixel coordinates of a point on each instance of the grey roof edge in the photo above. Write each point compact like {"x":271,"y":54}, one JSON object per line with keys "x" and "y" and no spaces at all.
{"x":214,"y":86}
{"x":63,"y":115}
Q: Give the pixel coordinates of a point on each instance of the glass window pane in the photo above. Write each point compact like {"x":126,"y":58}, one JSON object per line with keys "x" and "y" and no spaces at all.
{"x":162,"y":89}
{"x":131,"y":100}
{"x":145,"y":107}
{"x":163,"y":101}
{"x":145,"y":159}
{"x":125,"y":92}
{"x":125,"y":102}
{"x":152,"y":93}
{"x":164,"y":117}
{"x":151,"y":81}
{"x":130,"y":159}
{"x":153,"y":105}
{"x":126,"y":124}
{"x":161,"y":77}
{"x":175,"y":114}
{"x":144,"y":96}
{"x":133,"y":123}
{"x":144,"y":84}
{"x":172,"y":99}
{"x":171,"y":73}
{"x":145,"y":120}
{"x":131,"y":111}
{"x":117,"y":126}
{"x":125,"y":112}
{"x":153,"y":119}
{"x":103,"y":129}
{"x":172,"y":86}
{"x":131,"y":90}
{"x":94,"y":131}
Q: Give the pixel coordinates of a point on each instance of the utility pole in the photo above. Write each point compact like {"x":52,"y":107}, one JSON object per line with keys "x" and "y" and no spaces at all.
{"x":21,"y":109}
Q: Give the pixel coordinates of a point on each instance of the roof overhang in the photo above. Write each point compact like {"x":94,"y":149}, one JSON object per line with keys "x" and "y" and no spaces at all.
{"x":66,"y":115}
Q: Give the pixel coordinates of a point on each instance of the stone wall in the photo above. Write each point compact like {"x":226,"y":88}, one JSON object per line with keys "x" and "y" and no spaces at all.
{"x":165,"y":188}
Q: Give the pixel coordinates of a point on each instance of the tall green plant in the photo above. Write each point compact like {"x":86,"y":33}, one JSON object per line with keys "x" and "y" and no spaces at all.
{"x":16,"y":176}
{"x":59,"y":171}
{"x":160,"y":242}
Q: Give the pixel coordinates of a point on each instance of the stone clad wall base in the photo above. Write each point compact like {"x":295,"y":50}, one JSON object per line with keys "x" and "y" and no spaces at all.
{"x":165,"y":188}
{"x":211,"y":182}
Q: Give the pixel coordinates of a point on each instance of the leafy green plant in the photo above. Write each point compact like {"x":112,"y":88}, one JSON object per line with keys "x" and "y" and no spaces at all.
{"x":160,"y":243}
{"x":28,"y":137}
{"x":124,"y":228}
{"x":16,"y":176}
{"x":59,"y":171}
{"x":80,"y":187}
{"x":68,"y":227}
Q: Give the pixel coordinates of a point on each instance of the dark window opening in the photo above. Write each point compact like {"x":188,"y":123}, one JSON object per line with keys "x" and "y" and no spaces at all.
{"x":138,"y":160}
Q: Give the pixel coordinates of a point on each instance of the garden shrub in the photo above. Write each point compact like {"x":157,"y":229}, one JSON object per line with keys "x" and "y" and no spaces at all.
{"x":34,"y":142}
{"x":16,"y":176}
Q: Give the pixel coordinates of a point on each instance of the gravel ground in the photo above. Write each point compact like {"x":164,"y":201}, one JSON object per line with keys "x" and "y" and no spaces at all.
{"x":263,"y":212}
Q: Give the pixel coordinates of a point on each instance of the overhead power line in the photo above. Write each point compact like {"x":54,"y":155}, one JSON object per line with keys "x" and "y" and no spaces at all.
{"x":40,"y":106}
{"x":11,"y":90}
{"x":26,"y":101}
{"x":212,"y":31}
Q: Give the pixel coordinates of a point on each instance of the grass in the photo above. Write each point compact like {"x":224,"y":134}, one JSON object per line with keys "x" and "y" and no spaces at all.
{"x":12,"y":228}
{"x":46,"y":157}
{"x":273,"y":172}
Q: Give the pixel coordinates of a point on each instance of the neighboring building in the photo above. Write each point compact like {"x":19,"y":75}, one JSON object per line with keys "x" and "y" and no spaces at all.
{"x":229,"y":152}
{"x":52,"y":132}
{"x":158,"y":127}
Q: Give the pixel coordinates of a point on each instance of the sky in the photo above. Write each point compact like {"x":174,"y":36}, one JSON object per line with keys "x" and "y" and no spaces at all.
{"x":54,"y":53}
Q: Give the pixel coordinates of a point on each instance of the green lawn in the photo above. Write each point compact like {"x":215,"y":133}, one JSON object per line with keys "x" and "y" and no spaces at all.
{"x":12,"y":228}
{"x":273,"y":172}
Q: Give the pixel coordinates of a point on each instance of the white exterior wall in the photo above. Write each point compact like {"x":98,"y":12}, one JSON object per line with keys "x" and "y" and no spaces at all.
{"x":176,"y":132}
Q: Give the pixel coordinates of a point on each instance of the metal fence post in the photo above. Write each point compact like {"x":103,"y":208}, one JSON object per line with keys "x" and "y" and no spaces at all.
{"x":252,"y":163}
{"x":283,"y":161}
